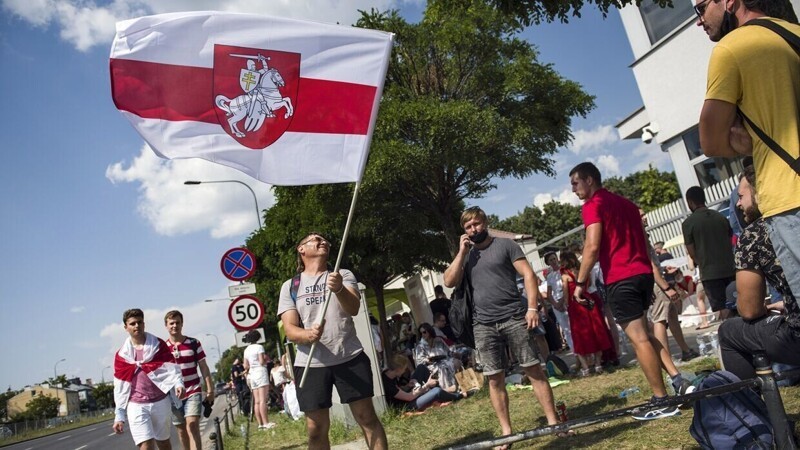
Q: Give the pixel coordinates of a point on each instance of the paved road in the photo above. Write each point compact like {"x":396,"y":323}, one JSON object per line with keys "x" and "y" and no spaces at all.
{"x":100,"y":436}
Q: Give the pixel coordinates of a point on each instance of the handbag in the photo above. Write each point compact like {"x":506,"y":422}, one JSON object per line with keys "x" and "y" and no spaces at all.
{"x":794,"y":41}
{"x":460,"y":313}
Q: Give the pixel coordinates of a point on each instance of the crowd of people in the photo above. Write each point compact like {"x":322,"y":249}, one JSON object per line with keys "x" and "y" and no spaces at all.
{"x":617,"y":280}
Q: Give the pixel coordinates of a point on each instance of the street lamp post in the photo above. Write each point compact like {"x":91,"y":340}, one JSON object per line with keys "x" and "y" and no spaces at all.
{"x":103,"y":374}
{"x":219,"y":354}
{"x":55,"y":375}
{"x":258,"y":211}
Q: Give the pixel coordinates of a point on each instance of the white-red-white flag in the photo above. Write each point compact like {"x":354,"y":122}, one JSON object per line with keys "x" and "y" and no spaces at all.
{"x":288,"y":102}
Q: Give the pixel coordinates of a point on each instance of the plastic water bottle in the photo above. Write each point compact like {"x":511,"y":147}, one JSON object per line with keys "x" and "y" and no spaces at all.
{"x":629,"y":392}
{"x":243,"y":431}
{"x":702,"y":346}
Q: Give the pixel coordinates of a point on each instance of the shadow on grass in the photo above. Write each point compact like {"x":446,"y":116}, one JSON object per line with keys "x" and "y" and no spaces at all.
{"x":587,"y":438}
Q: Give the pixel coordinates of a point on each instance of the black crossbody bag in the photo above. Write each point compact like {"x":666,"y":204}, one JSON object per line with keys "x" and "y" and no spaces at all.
{"x":794,"y":41}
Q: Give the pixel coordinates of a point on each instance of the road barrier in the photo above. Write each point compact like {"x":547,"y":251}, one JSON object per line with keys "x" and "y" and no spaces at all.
{"x":765,"y":380}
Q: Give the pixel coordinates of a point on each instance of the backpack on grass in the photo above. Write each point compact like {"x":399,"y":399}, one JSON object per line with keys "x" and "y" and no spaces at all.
{"x":737,"y":420}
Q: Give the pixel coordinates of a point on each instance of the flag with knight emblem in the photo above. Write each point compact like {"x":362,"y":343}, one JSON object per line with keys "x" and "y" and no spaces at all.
{"x":286,"y":101}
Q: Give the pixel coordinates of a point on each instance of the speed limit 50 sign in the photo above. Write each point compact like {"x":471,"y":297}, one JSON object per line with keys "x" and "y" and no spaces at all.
{"x":246,"y":312}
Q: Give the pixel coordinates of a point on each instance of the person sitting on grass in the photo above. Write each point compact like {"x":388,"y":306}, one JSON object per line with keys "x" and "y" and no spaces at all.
{"x":432,"y":355}
{"x":420,"y":396}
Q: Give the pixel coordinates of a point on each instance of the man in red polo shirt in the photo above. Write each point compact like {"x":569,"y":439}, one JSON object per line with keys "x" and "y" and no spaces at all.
{"x":615,"y":236}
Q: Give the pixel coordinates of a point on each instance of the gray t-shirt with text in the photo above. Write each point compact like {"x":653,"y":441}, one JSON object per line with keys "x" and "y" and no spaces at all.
{"x":494,"y":281}
{"x":339,"y":342}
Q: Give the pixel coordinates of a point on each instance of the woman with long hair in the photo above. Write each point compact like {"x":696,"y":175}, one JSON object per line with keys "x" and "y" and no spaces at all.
{"x":255,"y":368}
{"x":589,"y":333}
{"x":421,"y":396}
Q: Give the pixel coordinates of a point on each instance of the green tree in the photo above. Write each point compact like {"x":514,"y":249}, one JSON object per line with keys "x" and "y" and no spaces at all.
{"x":544,"y":224}
{"x":650,"y":188}
{"x":104,"y":395}
{"x":60,"y":380}
{"x":40,"y":407}
{"x":465,"y":102}
{"x":4,"y":398}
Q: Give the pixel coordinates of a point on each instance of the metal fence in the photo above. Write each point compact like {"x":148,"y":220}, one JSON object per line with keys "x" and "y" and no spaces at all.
{"x":16,"y":428}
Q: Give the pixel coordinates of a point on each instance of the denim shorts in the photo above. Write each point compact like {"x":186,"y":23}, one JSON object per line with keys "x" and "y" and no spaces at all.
{"x":491,"y":340}
{"x":192,"y":406}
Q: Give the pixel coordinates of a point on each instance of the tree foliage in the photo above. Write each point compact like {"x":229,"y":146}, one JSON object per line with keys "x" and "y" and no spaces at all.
{"x":104,"y":395}
{"x":650,"y":189}
{"x":225,"y":364}
{"x":4,"y":398}
{"x":553,"y":219}
{"x":465,"y":102}
{"x":40,"y":407}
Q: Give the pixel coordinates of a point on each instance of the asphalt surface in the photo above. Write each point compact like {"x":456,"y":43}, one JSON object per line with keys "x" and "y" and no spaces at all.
{"x":100,"y":436}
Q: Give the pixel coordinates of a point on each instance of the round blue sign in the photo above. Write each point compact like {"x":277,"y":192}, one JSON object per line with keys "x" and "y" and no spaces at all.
{"x":238,"y":264}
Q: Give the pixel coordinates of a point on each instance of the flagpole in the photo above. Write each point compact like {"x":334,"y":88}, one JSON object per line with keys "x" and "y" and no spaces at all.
{"x":375,"y":104}
{"x":321,"y":318}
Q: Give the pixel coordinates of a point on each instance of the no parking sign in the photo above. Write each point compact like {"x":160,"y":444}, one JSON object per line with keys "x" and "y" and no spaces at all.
{"x":238,"y":264}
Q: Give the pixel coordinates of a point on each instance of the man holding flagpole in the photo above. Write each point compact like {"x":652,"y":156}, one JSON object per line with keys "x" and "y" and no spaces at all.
{"x":339,"y":359}
{"x":144,"y":376}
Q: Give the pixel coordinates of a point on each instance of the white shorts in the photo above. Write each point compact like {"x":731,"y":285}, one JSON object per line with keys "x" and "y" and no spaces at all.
{"x":258,"y":377}
{"x":150,"y":420}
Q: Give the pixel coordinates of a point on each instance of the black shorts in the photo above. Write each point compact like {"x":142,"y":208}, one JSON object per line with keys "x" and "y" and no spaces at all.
{"x":630,"y":298}
{"x":715,"y":292}
{"x":353,"y":381}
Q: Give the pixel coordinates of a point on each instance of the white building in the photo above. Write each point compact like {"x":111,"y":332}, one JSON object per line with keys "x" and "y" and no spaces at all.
{"x":670,"y":63}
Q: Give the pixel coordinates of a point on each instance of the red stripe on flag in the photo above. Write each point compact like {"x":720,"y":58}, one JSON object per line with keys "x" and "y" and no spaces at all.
{"x":183,"y":93}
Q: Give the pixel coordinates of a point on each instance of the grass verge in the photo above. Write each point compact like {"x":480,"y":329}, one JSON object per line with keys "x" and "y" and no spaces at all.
{"x":473,"y":419}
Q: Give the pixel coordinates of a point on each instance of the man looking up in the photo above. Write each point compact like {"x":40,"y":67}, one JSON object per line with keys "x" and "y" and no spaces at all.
{"x":189,"y":355}
{"x":144,"y":375}
{"x":753,"y":72}
{"x":707,"y":235}
{"x":338,"y":358}
{"x":491,"y":266}
{"x":615,"y":236}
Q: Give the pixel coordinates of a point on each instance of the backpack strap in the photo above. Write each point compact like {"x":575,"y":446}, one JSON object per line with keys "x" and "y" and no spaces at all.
{"x":794,"y":41}
{"x":294,"y":286}
{"x":194,"y":344}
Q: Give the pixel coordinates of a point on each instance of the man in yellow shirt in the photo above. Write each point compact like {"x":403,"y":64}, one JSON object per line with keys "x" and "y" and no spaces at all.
{"x":755,"y":71}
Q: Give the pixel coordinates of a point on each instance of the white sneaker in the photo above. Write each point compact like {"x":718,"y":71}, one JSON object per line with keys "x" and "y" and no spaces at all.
{"x":270,"y":425}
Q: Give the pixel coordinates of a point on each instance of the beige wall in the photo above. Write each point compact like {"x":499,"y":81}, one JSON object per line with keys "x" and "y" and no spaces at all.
{"x":70,"y":403}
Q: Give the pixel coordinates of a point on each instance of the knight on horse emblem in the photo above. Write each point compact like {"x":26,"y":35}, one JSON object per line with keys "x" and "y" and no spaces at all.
{"x":261,"y":99}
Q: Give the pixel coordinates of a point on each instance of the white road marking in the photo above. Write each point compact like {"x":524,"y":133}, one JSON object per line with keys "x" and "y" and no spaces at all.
{"x":92,"y":429}
{"x":65,"y":437}
{"x":79,"y":448}
{"x":112,"y":434}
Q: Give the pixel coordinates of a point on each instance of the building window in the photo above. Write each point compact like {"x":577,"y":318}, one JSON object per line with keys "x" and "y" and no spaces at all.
{"x":710,"y":171}
{"x":659,"y":21}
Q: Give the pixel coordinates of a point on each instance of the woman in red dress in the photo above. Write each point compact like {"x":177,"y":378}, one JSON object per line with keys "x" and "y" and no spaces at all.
{"x":589,"y":333}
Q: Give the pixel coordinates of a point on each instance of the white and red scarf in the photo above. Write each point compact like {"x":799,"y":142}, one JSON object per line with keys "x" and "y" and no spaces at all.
{"x":157,"y":362}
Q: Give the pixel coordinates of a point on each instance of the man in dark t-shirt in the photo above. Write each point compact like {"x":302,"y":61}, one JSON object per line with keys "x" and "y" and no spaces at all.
{"x":707,"y":235}
{"x":491,"y":266}
{"x":440,"y":304}
{"x":758,"y":329}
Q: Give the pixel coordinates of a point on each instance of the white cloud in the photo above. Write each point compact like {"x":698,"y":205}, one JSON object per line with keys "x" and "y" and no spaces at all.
{"x":651,"y":154}
{"x":608,"y":165}
{"x":565,"y":196}
{"x":594,"y":139}
{"x":85,"y":24}
{"x":173,"y":208}
{"x":199,"y":319}
{"x":77,"y":309}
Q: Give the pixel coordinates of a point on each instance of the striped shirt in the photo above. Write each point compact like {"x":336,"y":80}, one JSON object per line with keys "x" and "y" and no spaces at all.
{"x":184,"y":355}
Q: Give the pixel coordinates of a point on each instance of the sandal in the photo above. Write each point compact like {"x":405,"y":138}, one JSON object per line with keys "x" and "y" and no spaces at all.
{"x":598,"y":369}
{"x":584,"y":373}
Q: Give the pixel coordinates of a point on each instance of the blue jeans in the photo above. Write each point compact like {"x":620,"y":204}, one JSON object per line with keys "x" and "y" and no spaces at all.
{"x":437,"y":393}
{"x":784,"y":231}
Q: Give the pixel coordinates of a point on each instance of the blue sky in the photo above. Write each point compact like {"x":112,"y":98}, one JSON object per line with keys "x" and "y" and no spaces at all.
{"x":94,"y":223}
